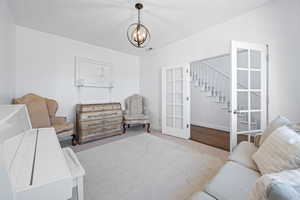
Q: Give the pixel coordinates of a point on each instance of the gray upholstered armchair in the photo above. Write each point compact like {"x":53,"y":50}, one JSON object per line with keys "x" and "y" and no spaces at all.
{"x":135,"y":112}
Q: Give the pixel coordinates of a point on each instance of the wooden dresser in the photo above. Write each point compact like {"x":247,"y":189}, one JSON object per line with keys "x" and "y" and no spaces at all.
{"x":95,"y":121}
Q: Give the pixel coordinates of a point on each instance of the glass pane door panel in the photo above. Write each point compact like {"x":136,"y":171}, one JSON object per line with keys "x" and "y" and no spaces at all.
{"x":242,"y":100}
{"x":178,"y":110}
{"x":178,"y":86}
{"x":169,"y":75}
{"x":255,"y":80}
{"x":242,"y":79}
{"x":170,"y":110}
{"x":255,"y":101}
{"x":170,"y":122}
{"x":255,"y":120}
{"x":242,"y":58}
{"x":179,"y":99}
{"x":248,"y":91}
{"x":170,"y":98}
{"x":255,"y":59}
{"x":170,"y":86}
{"x":179,"y":122}
{"x":178,"y":74}
{"x":242,"y":122}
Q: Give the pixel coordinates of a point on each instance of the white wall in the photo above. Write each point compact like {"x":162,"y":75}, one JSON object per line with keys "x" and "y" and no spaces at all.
{"x":45,"y":66}
{"x":7,"y":54}
{"x":276,"y":24}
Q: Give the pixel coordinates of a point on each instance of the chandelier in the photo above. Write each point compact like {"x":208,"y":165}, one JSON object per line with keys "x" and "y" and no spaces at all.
{"x":138,"y":34}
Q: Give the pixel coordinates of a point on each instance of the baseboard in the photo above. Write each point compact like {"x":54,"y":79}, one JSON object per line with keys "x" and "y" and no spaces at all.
{"x":213,"y":126}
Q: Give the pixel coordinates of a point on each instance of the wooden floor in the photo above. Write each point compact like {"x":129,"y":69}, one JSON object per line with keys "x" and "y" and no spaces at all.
{"x":213,"y":137}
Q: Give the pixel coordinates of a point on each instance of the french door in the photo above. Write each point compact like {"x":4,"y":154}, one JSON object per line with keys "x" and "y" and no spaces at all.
{"x":248,"y":89}
{"x":176,"y":101}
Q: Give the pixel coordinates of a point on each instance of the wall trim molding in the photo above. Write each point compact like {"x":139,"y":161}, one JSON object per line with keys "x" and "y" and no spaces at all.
{"x":213,"y":126}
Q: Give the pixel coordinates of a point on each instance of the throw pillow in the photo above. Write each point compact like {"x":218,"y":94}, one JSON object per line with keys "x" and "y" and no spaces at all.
{"x":267,"y":188}
{"x":280,"y":151}
{"x":276,"y":123}
{"x":282,"y":191}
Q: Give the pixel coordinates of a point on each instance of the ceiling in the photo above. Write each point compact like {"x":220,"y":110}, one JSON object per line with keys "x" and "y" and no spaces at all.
{"x":105,"y":22}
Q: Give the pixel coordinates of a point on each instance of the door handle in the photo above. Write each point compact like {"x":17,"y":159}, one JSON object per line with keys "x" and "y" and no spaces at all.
{"x":236,"y":112}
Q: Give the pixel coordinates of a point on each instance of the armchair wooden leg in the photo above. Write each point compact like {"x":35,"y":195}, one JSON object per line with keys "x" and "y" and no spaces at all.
{"x":124,"y":128}
{"x":148,"y":128}
{"x":74,"y":140}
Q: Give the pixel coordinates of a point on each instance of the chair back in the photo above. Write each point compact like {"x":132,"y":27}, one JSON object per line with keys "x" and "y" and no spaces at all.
{"x":38,"y":110}
{"x":134,"y":105}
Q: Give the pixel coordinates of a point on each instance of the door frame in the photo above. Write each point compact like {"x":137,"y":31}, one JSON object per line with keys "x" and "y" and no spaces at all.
{"x":186,"y":100}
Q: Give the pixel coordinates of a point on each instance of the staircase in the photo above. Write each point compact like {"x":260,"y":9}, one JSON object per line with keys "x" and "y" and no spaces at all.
{"x":216,"y":85}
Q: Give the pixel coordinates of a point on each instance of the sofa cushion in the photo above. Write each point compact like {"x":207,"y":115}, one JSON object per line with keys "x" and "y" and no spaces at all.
{"x":233,"y":182}
{"x":280,"y":151}
{"x":242,"y":154}
{"x":276,"y":123}
{"x":201,"y":196}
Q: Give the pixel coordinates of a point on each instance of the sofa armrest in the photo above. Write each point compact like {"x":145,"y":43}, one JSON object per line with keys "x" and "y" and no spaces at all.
{"x":59,"y":120}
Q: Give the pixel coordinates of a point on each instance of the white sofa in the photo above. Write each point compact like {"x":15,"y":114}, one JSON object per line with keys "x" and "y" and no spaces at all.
{"x":235,"y":179}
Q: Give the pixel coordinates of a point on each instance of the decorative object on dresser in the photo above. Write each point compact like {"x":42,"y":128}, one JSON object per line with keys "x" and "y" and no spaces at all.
{"x":42,"y":113}
{"x":135,"y":112}
{"x":95,"y":121}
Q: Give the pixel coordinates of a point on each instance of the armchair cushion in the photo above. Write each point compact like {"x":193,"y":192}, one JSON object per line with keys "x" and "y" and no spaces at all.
{"x":59,"y":120}
{"x":61,"y":127}
{"x":136,"y":117}
{"x":37,"y":109}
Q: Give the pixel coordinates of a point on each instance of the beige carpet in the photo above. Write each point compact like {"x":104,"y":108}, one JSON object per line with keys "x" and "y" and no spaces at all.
{"x":145,"y":167}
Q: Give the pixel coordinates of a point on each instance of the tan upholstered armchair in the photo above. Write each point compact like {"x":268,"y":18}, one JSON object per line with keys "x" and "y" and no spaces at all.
{"x":135,"y":112}
{"x":42,"y":113}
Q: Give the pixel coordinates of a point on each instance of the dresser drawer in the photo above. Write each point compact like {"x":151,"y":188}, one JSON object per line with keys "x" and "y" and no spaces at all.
{"x":100,"y":123}
{"x":98,"y":107}
{"x":98,"y":131}
{"x":99,"y":115}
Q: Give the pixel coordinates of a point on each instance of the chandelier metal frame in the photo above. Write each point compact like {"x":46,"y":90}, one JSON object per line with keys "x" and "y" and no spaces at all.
{"x":137,"y":26}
